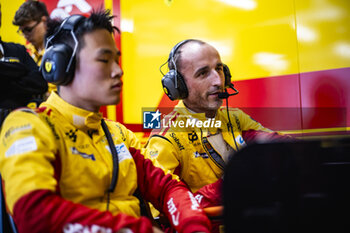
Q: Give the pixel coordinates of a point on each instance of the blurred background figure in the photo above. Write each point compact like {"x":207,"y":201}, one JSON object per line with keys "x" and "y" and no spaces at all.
{"x":31,"y":18}
{"x":20,"y":82}
{"x":33,"y":21}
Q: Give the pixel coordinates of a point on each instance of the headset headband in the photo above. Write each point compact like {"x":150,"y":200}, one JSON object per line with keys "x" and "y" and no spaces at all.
{"x":172,"y":55}
{"x":176,"y":47}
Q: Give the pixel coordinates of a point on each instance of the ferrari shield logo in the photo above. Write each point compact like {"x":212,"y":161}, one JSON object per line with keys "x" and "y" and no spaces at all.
{"x":48,"y":66}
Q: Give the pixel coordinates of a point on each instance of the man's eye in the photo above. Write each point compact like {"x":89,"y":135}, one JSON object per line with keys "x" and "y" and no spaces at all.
{"x":103,"y":60}
{"x":203,"y":73}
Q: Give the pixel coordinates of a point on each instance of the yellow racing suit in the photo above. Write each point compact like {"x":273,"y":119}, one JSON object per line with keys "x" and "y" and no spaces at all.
{"x":185,"y":149}
{"x":57,"y":166}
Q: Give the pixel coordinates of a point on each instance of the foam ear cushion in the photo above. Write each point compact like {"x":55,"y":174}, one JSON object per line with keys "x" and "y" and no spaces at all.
{"x":54,"y":64}
{"x":227,"y":75}
{"x":169,"y":87}
{"x":182,"y":86}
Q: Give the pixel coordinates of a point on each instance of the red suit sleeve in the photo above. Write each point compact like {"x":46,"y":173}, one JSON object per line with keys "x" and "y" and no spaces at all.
{"x":169,"y":195}
{"x":44,"y":211}
{"x":261,"y":136}
{"x":210,"y":194}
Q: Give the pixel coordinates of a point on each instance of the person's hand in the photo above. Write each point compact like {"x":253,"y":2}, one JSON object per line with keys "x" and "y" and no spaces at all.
{"x":157,"y":230}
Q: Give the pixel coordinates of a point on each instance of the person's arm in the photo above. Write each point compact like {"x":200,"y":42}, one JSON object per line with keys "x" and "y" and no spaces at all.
{"x":164,"y":190}
{"x":45,"y":211}
{"x":170,"y":195}
{"x":210,"y":194}
{"x":28,"y":165}
{"x":261,"y":136}
{"x":253,"y":131}
{"x":161,"y":149}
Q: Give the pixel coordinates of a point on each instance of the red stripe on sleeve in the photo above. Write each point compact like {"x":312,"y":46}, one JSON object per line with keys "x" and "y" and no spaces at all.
{"x":44,"y":211}
{"x":170,"y":196}
{"x":261,"y":136}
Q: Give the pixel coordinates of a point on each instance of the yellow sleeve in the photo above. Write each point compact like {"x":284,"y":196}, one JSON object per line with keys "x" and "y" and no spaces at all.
{"x":161,"y":150}
{"x":27,"y":150}
{"x":127,"y":136}
{"x":163,"y":155}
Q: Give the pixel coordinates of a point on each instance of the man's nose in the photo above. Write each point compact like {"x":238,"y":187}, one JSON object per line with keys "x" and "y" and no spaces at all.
{"x":116,"y":71}
{"x":218,"y":79}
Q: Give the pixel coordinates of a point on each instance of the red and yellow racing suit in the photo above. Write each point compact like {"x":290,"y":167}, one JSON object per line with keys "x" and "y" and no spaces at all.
{"x":57,"y":166}
{"x":185,"y":151}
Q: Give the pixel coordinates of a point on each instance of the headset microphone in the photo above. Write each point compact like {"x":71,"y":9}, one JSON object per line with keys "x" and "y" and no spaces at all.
{"x":225,"y":94}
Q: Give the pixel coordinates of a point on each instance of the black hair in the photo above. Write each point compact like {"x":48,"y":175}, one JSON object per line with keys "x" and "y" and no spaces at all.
{"x":101,"y":19}
{"x":97,"y":20}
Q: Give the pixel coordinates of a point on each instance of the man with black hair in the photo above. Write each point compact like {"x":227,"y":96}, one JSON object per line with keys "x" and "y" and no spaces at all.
{"x":199,"y":136}
{"x":20,"y":81}
{"x":65,"y":168}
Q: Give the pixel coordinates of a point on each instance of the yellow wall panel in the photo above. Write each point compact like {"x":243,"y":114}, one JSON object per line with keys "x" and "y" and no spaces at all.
{"x":323,"y":34}
{"x":8,"y":31}
{"x":255,"y":38}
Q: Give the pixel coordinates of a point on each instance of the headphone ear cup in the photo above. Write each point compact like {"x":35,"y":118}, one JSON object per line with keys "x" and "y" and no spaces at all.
{"x":169,"y":87}
{"x":182,"y":87}
{"x":168,"y":82}
{"x":54,"y":64}
{"x":227,"y":76}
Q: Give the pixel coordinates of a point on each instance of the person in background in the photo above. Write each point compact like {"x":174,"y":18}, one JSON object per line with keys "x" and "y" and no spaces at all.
{"x":33,"y":21}
{"x":197,"y":153}
{"x":21,"y":83}
{"x":32,"y":18}
{"x":65,"y":167}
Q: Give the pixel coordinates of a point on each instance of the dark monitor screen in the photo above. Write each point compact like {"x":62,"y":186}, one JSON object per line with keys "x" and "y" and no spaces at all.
{"x":294,"y":187}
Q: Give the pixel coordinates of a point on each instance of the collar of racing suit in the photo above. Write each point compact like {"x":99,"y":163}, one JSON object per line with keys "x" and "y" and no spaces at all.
{"x":184,"y":111}
{"x":80,"y":118}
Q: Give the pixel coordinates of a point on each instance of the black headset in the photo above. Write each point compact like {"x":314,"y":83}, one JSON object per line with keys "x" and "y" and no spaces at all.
{"x":58,"y":62}
{"x":173,"y":82}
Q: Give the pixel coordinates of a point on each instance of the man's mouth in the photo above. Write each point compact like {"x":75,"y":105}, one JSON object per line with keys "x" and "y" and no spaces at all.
{"x":117,"y":86}
{"x":215,"y":93}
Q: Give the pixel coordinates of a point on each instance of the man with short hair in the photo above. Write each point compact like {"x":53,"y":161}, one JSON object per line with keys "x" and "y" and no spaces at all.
{"x":33,"y":23}
{"x":32,"y":18}
{"x":20,"y":81}
{"x":65,"y":168}
{"x":200,"y":136}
